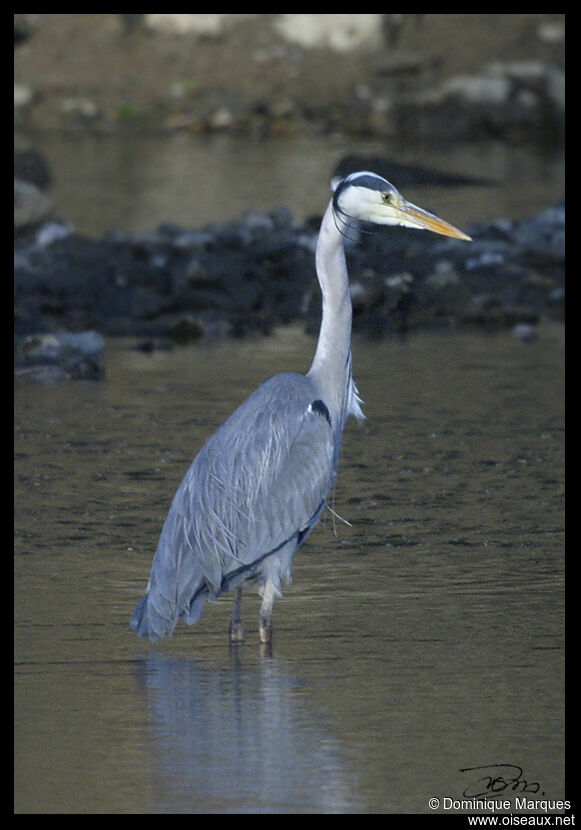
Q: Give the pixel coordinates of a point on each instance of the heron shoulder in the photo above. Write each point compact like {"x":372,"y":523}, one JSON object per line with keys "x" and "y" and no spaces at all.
{"x":257,"y":440}
{"x":282,"y":401}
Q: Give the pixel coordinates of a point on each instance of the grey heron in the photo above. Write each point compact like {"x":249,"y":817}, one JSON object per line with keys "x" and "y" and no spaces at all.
{"x":260,"y":483}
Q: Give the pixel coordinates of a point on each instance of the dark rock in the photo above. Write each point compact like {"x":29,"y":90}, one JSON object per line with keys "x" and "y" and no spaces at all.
{"x":31,"y":207}
{"x":60,"y":356}
{"x":30,"y":166}
{"x":236,"y":278}
{"x":525,"y":332}
{"x":405,"y":175}
{"x":185,"y":328}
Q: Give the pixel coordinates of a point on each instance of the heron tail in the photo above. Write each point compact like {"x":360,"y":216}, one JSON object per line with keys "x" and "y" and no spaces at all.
{"x":156,"y":616}
{"x":147,"y":621}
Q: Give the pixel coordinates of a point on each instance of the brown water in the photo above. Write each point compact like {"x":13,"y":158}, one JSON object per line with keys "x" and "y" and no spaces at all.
{"x":424,"y":638}
{"x":134,"y":184}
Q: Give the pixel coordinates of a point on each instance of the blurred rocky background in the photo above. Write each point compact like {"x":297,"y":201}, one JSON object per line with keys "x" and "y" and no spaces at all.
{"x":459,"y":75}
{"x":395,"y":80}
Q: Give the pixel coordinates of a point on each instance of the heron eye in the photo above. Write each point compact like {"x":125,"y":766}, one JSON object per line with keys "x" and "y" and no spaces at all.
{"x":386,"y":197}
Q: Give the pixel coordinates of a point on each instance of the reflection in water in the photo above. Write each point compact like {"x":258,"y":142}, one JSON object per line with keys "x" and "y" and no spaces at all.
{"x":425,"y":638}
{"x":238,"y":739}
{"x":126,"y":184}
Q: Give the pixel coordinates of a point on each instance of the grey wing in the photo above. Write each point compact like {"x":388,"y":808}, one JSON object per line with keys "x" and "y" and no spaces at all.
{"x":259,"y":483}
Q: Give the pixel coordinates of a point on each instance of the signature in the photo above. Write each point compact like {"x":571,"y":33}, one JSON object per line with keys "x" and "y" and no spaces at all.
{"x":494,"y":779}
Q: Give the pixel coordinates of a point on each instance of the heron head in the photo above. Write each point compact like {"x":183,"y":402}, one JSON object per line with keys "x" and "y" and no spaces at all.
{"x":368,"y":197}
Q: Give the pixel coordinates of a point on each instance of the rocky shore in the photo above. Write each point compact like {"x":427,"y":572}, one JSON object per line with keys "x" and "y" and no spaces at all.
{"x":437,"y":76}
{"x":174,"y":284}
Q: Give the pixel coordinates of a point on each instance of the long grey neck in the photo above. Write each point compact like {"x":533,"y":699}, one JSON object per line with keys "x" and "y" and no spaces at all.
{"x":331,"y":367}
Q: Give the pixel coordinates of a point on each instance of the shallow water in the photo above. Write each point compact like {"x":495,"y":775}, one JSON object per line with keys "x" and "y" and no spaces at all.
{"x":135,"y":183}
{"x":425,"y":637}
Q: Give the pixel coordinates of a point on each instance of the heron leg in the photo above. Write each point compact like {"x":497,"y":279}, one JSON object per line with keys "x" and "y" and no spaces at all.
{"x":265,"y":615}
{"x":236,"y":627}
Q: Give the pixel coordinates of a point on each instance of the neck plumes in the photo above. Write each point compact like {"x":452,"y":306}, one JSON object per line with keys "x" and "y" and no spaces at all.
{"x":331,"y":367}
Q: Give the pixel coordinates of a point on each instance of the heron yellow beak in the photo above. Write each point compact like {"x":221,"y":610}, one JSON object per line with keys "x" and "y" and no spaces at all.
{"x":422,"y":219}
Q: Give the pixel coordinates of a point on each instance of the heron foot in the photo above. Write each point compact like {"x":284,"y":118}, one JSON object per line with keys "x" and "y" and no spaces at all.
{"x":236,"y":632}
{"x":236,"y":627}
{"x":265,"y":615}
{"x":265,"y":629}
